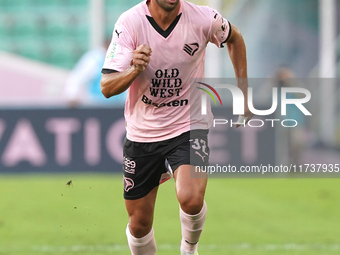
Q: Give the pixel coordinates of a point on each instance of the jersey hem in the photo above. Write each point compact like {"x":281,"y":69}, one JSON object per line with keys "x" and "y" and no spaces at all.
{"x":170,"y":135}
{"x":108,"y":71}
{"x":159,"y":139}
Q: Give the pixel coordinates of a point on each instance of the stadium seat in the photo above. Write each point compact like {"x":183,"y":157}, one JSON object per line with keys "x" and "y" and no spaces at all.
{"x":52,"y":31}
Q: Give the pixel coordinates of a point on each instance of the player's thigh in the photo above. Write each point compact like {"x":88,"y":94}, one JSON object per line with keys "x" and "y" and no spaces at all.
{"x":141,"y":213}
{"x":188,"y":185}
{"x":193,"y":152}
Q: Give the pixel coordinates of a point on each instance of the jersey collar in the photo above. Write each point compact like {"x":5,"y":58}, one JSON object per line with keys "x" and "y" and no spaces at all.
{"x":153,"y":23}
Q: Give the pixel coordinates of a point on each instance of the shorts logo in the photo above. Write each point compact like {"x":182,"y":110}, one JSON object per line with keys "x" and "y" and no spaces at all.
{"x":113,"y":50}
{"x":129,"y":165}
{"x":201,"y":148}
{"x":128,"y":184}
{"x":199,"y":154}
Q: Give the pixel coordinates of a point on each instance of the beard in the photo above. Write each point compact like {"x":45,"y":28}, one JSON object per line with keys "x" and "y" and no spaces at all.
{"x":167,"y":6}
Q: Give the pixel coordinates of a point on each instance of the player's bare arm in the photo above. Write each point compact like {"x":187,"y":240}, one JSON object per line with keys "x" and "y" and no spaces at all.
{"x":115,"y":83}
{"x":237,"y":52}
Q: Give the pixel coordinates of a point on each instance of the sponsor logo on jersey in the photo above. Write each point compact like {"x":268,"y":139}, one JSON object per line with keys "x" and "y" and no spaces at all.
{"x":128,"y":184}
{"x":174,"y":103}
{"x":113,"y":50}
{"x":191,"y":49}
{"x":166,"y":83}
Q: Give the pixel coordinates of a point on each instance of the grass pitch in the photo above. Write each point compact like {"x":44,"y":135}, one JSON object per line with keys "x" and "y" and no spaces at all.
{"x":41,"y":214}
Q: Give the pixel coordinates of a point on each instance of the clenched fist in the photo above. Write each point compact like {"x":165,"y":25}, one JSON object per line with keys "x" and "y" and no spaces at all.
{"x":141,"y":57}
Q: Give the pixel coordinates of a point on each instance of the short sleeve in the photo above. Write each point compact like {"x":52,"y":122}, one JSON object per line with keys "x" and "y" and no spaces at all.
{"x":220,"y":29}
{"x":119,"y":53}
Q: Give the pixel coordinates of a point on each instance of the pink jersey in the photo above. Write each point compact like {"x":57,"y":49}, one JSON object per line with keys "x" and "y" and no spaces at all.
{"x":161,"y":102}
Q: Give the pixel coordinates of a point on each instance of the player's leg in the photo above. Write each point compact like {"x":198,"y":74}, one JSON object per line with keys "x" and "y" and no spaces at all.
{"x":190,"y":194}
{"x":143,"y":166}
{"x":139,"y":230}
{"x":191,"y":150}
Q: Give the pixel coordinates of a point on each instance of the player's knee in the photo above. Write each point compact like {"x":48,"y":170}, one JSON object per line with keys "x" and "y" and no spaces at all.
{"x":140,"y":226}
{"x":191,"y":204}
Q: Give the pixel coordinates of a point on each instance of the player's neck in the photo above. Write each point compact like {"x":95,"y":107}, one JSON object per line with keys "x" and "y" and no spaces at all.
{"x":162,"y":17}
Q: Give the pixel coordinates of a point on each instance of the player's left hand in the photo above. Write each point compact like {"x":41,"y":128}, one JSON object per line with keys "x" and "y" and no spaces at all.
{"x":247,"y":117}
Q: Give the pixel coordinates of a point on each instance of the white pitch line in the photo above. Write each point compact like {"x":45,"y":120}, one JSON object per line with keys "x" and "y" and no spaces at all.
{"x":173,"y":247}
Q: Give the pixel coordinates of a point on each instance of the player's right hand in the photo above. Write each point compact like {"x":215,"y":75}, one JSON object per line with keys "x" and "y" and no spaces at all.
{"x":141,"y":57}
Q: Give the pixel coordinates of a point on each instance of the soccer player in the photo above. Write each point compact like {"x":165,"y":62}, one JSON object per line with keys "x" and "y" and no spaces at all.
{"x":157,"y":47}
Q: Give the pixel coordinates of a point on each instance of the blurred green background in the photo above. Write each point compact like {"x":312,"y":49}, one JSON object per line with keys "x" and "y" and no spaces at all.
{"x":40,"y":214}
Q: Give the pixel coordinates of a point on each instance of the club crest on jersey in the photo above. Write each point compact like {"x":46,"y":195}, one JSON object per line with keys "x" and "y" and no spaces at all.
{"x":128,"y":184}
{"x":191,"y":48}
{"x":113,"y":50}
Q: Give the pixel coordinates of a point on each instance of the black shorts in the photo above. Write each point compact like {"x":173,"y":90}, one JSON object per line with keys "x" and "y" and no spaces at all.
{"x":145,"y":163}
